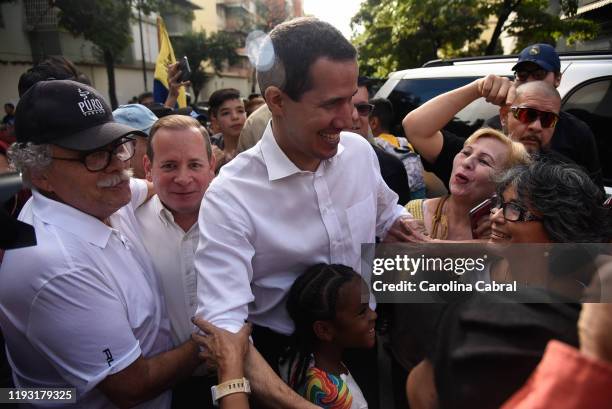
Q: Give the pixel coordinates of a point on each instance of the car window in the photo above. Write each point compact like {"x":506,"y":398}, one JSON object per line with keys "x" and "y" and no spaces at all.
{"x":411,"y":93}
{"x":592,"y":102}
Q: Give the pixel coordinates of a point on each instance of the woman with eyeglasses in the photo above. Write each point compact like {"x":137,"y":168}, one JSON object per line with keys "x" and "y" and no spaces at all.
{"x":549,"y":203}
{"x":480,"y":336}
{"x":542,"y":204}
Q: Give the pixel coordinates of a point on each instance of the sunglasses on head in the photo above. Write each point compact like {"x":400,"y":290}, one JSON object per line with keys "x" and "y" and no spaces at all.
{"x":364,"y":109}
{"x":529,"y":115}
{"x":537,"y":74}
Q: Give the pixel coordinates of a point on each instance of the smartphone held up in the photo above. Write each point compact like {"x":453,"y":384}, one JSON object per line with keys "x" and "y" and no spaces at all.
{"x":481,"y":210}
{"x":185,"y":69}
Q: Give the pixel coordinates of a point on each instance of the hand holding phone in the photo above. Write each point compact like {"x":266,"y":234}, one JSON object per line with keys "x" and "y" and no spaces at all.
{"x":481,"y":210}
{"x":185,"y":69}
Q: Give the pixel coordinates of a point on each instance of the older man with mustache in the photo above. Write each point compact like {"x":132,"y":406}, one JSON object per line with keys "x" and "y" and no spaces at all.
{"x":82,"y":309}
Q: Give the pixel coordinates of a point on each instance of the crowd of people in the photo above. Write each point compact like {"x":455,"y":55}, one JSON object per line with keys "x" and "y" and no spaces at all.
{"x":180,"y":262}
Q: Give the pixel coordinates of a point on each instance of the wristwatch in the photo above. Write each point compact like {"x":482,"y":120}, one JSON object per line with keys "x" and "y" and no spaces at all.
{"x":229,"y":387}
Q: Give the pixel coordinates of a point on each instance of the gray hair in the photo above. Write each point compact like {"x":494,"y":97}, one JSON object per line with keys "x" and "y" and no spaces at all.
{"x":29,"y":157}
{"x":570,"y":204}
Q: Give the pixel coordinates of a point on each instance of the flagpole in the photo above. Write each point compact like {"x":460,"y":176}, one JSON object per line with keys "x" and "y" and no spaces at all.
{"x":144,"y":65}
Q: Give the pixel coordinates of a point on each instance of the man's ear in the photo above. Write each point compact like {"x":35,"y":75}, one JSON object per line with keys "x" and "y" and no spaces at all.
{"x":40,"y":180}
{"x":214,"y":124}
{"x":558,"y":79}
{"x":504,"y":110}
{"x":324,"y":330}
{"x":147,"y":164}
{"x":212,"y":163}
{"x":374,"y":123}
{"x":275,"y":99}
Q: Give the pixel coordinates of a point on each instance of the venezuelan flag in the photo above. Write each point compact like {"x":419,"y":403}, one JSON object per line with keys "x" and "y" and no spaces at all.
{"x":165,"y":58}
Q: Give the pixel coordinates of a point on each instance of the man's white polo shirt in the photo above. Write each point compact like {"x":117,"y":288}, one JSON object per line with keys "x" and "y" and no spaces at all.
{"x":82,"y":304}
{"x":263,"y":221}
{"x":172,"y":251}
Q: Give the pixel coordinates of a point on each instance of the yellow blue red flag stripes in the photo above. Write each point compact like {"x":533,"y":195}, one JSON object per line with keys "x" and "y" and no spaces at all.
{"x":165,"y":58}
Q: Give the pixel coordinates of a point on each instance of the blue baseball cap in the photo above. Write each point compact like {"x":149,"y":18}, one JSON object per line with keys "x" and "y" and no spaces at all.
{"x":135,"y":115}
{"x":543,"y":55}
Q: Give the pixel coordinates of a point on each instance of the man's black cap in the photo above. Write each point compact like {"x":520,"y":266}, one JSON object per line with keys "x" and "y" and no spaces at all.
{"x":67,"y":114}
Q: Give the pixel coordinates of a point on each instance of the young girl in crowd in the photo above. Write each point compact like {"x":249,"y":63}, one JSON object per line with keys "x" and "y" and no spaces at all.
{"x":329,"y":315}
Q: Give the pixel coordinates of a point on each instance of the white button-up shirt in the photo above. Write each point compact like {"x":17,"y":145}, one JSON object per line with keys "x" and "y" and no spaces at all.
{"x":172,"y":251}
{"x":263,"y":222}
{"x":82,"y":304}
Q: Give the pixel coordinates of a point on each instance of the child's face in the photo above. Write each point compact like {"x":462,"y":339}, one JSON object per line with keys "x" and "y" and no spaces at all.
{"x":230,"y":118}
{"x":354,"y":323}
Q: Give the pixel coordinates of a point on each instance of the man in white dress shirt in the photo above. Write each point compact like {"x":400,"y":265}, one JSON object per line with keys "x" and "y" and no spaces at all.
{"x":180,"y":164}
{"x":306,"y":193}
{"x":83,"y":308}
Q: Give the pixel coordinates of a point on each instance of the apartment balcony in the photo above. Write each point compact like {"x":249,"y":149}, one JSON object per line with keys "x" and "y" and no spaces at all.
{"x":40,"y":15}
{"x":245,"y":6}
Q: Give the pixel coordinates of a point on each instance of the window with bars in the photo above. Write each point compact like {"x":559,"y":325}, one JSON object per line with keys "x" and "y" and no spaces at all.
{"x":40,"y":15}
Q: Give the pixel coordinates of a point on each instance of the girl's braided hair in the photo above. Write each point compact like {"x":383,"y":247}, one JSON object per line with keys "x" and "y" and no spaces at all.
{"x":313,"y":297}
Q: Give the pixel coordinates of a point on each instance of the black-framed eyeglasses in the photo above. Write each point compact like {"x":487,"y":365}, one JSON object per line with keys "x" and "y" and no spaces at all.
{"x":512,"y":211}
{"x":97,"y":160}
{"x":523,"y":75}
{"x":528,"y":115}
{"x":364,"y":109}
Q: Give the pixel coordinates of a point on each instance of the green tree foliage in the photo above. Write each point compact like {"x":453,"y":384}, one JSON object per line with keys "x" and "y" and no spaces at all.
{"x":106,"y":23}
{"x":270,"y":13}
{"x":406,"y":33}
{"x":216,"y":50}
{"x":532,"y":25}
{"x":400,"y":34}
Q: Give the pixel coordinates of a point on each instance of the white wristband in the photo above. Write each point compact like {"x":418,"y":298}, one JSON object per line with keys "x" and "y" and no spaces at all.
{"x":228,"y":388}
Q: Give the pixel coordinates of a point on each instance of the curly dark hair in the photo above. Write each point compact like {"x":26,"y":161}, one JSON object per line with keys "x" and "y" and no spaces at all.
{"x":570,"y":203}
{"x":313,"y":297}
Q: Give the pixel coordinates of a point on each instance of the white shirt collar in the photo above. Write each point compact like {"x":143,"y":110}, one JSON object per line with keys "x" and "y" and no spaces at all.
{"x":277,"y":163}
{"x":69,"y":218}
{"x":166,"y":215}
